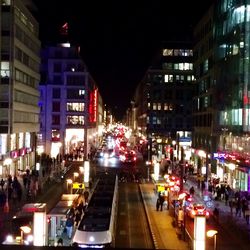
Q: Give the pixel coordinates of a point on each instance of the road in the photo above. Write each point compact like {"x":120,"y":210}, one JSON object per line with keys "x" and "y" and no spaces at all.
{"x":132,"y":227}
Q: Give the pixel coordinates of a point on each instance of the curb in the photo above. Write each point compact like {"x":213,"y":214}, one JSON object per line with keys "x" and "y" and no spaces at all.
{"x":148,"y":220}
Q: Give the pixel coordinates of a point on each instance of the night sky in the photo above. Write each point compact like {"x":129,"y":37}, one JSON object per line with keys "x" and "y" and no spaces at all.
{"x":119,"y":38}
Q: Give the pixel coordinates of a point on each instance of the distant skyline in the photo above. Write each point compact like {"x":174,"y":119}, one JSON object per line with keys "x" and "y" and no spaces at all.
{"x":118,"y":39}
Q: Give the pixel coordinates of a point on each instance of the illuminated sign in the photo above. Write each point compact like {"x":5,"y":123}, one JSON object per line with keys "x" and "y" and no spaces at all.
{"x":93,"y":106}
{"x":14,"y":154}
{"x":77,"y":185}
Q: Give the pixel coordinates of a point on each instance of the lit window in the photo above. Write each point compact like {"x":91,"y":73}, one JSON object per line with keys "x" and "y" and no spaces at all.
{"x":168,"y":78}
{"x":159,"y":106}
{"x":81,"y":91}
{"x":154,"y":106}
{"x":167,"y":52}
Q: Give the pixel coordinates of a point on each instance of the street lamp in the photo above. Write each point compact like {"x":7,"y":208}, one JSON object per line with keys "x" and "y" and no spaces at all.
{"x":69,"y":182}
{"x":213,"y":233}
{"x":75,"y":175}
{"x":24,"y":230}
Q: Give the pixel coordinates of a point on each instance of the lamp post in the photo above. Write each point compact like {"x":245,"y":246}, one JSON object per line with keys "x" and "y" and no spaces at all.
{"x":69,"y":182}
{"x":148,"y":163}
{"x":213,"y":234}
{"x":24,"y":230}
{"x":75,"y":175}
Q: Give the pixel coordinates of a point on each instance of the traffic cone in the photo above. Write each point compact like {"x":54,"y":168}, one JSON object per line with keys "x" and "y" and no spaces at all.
{"x":6,"y":207}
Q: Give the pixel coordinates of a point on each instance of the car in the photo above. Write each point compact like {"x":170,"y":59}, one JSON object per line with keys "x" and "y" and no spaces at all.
{"x":196,"y":209}
{"x":128,"y":157}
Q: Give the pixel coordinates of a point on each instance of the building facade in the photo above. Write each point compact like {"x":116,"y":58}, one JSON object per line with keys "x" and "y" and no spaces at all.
{"x":19,"y":81}
{"x":224,"y":92}
{"x":164,"y":112}
{"x":71,"y":105}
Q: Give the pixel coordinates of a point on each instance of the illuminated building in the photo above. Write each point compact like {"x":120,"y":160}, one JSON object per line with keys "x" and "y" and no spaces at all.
{"x":222,"y":103}
{"x":162,"y":102}
{"x":69,"y":100}
{"x":19,"y":80}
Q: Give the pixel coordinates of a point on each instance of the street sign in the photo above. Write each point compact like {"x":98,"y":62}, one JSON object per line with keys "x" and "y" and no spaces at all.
{"x":77,"y":185}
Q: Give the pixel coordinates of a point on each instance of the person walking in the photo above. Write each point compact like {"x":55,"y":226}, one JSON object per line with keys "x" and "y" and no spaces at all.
{"x":157,"y":204}
{"x":69,"y":225}
{"x":216,"y":214}
{"x":162,"y":199}
{"x":191,"y":191}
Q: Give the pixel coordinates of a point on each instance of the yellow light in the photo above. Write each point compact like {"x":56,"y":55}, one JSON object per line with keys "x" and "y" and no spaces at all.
{"x":231,"y":166}
{"x":26,"y":229}
{"x":211,"y":233}
{"x":7,"y":161}
{"x":76,"y":174}
{"x":69,"y":181}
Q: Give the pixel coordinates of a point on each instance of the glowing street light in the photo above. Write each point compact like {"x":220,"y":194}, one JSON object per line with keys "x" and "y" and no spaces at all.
{"x":75,"y":175}
{"x":24,"y":230}
{"x":213,"y":234}
{"x":69,"y":182}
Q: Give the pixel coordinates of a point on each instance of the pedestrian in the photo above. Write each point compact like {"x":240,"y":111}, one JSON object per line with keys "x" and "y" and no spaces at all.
{"x":191,"y":191}
{"x":238,"y":207}
{"x":226,"y":196}
{"x":162,"y":199}
{"x":60,"y":242}
{"x":216,"y":214}
{"x":2,"y":183}
{"x":77,"y":217}
{"x":157,"y":204}
{"x":231,"y":205}
{"x":69,"y":225}
{"x":247,"y":214}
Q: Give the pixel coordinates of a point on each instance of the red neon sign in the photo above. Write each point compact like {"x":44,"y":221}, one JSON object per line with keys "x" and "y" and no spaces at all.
{"x":93,"y":106}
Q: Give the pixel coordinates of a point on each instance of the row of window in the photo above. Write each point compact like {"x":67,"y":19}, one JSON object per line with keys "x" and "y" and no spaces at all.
{"x":27,"y":40}
{"x":71,"y":120}
{"x":179,"y":78}
{"x":23,"y":97}
{"x":162,"y":106}
{"x":26,"y":59}
{"x":78,"y":80}
{"x":25,"y":117}
{"x":71,"y":93}
{"x":177,"y":66}
{"x":177,"y":52}
{"x":71,"y":107}
{"x":168,"y":123}
{"x":60,"y":67}
{"x":25,"y":21}
{"x":25,"y":78}
{"x":160,"y":95}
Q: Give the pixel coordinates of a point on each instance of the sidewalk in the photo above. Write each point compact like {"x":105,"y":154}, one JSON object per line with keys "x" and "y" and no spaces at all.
{"x":160,"y":222}
{"x":47,"y":195}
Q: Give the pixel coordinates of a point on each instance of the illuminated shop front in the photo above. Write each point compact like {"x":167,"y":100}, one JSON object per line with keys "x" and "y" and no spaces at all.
{"x":74,"y":139}
{"x":235,"y":174}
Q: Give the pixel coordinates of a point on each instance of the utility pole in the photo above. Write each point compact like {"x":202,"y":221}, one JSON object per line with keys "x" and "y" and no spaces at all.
{"x":182,"y":168}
